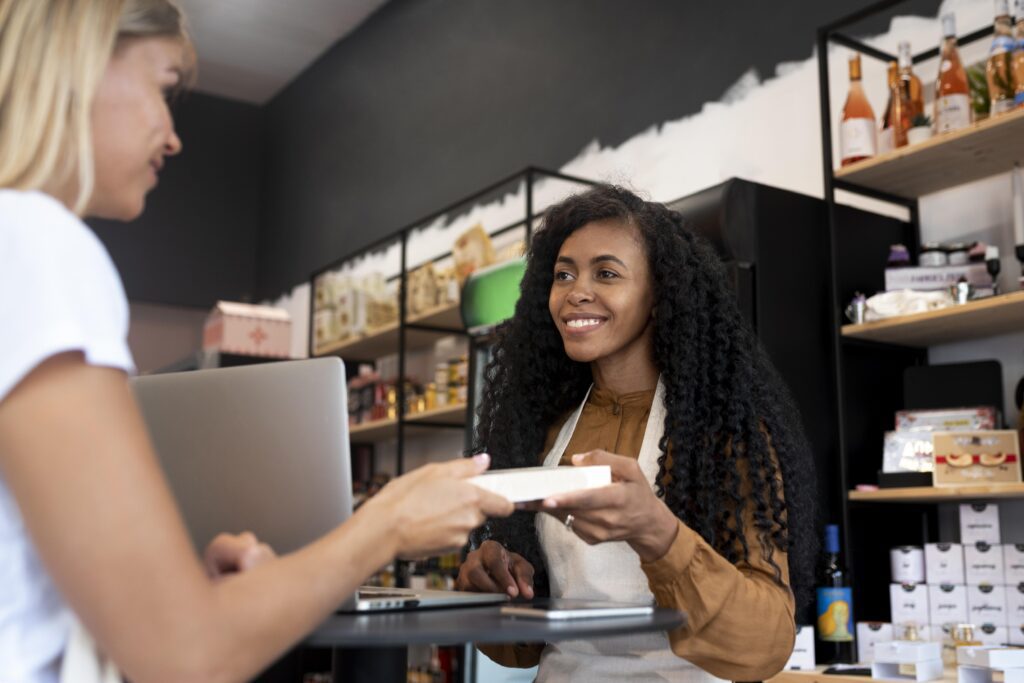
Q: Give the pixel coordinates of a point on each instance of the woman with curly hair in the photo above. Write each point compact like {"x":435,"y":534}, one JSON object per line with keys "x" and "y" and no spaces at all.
{"x":627,"y":350}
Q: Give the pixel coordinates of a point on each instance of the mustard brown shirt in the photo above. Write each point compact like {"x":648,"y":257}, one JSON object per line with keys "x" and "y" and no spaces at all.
{"x":740,"y":619}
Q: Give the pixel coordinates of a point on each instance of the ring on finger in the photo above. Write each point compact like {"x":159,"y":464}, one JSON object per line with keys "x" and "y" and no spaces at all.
{"x":569,"y":519}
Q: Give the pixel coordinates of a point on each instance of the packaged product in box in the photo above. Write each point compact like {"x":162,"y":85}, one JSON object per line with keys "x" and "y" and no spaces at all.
{"x":947,"y":603}
{"x":944,"y":563}
{"x":907,"y":564}
{"x":1013,"y":563}
{"x":907,"y":660}
{"x":907,"y":452}
{"x":422,"y":294}
{"x":908,"y":604}
{"x":949,"y":420}
{"x":993,"y":634}
{"x":472,"y":250}
{"x":248,"y":330}
{"x":1016,"y":634}
{"x":929,"y":278}
{"x":979,"y":522}
{"x":869,"y":633}
{"x":991,"y":657}
{"x":976,"y":457}
{"x":1015,"y":604}
{"x":986,"y":605}
{"x":802,"y":657}
{"x":983,"y":563}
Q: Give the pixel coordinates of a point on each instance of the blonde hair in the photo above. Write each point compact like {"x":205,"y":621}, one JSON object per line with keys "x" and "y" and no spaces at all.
{"x":53,"y":54}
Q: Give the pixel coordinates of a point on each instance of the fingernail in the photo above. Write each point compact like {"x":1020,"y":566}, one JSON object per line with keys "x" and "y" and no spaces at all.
{"x":577,"y":459}
{"x":550,"y":503}
{"x":513,"y":591}
{"x":482,"y":459}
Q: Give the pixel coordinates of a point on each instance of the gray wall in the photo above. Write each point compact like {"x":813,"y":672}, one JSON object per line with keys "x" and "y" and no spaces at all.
{"x":196,"y":241}
{"x":430,"y":100}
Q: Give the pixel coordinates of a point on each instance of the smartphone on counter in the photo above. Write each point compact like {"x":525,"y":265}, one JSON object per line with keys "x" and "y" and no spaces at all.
{"x":554,"y":609}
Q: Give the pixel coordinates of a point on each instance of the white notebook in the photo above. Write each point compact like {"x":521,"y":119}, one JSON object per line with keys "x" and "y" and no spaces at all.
{"x":524,"y":484}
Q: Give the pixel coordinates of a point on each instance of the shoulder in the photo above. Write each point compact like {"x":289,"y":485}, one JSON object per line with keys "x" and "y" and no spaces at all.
{"x":35,"y":226}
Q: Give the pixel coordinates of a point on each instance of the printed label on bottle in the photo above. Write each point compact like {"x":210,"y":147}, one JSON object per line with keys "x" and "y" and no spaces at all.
{"x":885,"y":140}
{"x":952,"y":112}
{"x":857,"y":138}
{"x":1002,"y":106}
{"x":835,"y":614}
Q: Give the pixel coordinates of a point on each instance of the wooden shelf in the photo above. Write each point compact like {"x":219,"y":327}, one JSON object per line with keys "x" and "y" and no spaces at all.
{"x":384,"y":341}
{"x":983,"y":149}
{"x":993,"y":315}
{"x":939,"y":494}
{"x":817,"y":676}
{"x":383,"y":430}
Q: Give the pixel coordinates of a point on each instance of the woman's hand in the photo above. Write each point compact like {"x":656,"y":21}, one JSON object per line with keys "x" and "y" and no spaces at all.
{"x":493,"y":569}
{"x":432,"y":509}
{"x":627,"y":510}
{"x":233,"y":553}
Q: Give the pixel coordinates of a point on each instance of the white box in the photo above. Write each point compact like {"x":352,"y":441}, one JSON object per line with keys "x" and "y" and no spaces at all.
{"x":986,"y":605}
{"x":869,"y":633}
{"x":1013,"y":564}
{"x":537,"y":483}
{"x":907,"y":564}
{"x":979,"y":522}
{"x":1015,"y":604}
{"x":983,"y":563}
{"x":802,"y":657}
{"x":944,"y":563}
{"x":896,"y":659}
{"x":991,"y":657}
{"x":908,"y":604}
{"x":928,"y":278}
{"x":981,"y":674}
{"x":1016,"y":633}
{"x":992,"y":635}
{"x":947,"y":420}
{"x":947,"y":604}
{"x":248,"y":330}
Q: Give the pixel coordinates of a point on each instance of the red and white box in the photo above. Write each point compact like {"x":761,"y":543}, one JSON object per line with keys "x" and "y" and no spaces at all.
{"x":248,"y":330}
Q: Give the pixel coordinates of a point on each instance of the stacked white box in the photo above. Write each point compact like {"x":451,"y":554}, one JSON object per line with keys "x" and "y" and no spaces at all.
{"x":802,"y":657}
{"x":869,"y":633}
{"x":986,"y":605}
{"x":990,"y":634}
{"x":908,"y":604}
{"x":979,"y":522}
{"x":944,"y":563}
{"x":983,"y":564}
{"x":1013,"y":563}
{"x":947,"y":604}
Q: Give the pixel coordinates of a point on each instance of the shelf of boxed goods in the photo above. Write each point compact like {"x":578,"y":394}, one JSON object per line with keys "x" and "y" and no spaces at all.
{"x":382,"y":430}
{"x":384,"y":340}
{"x":995,"y":315}
{"x":818,"y":675}
{"x":982,"y":149}
{"x":939,"y":494}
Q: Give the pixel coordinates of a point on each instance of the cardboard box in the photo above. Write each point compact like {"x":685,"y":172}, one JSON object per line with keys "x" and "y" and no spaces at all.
{"x":802,"y":657}
{"x":1016,"y":634}
{"x":908,"y":604}
{"x":907,"y":660}
{"x":979,"y":522}
{"x":536,"y":483}
{"x":1015,"y":604}
{"x":869,"y":633}
{"x":986,"y":605}
{"x":248,"y":330}
{"x":990,"y":657}
{"x":983,"y":563}
{"x":910,"y":451}
{"x":976,"y":457}
{"x":947,"y":604}
{"x":930,"y":278}
{"x":907,"y":564}
{"x":992,"y":635}
{"x":951,"y":420}
{"x":1013,"y":564}
{"x":944,"y":563}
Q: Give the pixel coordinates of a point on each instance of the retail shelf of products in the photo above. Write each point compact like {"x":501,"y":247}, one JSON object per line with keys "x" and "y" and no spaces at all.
{"x":939,"y":494}
{"x":983,"y":149}
{"x":384,"y":340}
{"x":986,"y":317}
{"x":817,"y":675}
{"x":381,"y":430}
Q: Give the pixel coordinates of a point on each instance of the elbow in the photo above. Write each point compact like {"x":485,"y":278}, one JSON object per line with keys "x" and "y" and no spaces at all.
{"x":197,"y":664}
{"x":776,"y":657}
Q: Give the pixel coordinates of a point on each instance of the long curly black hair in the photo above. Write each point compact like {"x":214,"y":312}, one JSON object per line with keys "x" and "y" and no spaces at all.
{"x":727,"y":409}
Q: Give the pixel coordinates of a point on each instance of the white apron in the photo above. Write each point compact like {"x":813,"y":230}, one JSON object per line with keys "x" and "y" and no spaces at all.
{"x":607,"y":571}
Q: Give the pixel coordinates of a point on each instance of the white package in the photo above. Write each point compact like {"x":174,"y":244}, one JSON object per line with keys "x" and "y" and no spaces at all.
{"x":1013,"y":564}
{"x":979,"y":522}
{"x":986,"y":605}
{"x":536,"y":483}
{"x":1015,"y":604}
{"x":802,"y":657}
{"x":869,"y":633}
{"x":983,"y":563}
{"x":990,"y":634}
{"x":907,"y":564}
{"x":1016,"y":634}
{"x":908,"y":604}
{"x":944,"y":563}
{"x":947,"y":604}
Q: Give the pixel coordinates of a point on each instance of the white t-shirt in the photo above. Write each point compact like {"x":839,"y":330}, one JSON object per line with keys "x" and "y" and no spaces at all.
{"x":59,"y":291}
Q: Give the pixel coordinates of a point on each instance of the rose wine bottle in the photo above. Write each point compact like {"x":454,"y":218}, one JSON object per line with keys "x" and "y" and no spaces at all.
{"x":913,"y":83}
{"x":999,"y":67}
{"x":857,"y":125}
{"x":952,"y":95}
{"x":901,"y":107}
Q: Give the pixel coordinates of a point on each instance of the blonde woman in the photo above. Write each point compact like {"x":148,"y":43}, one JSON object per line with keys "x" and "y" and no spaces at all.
{"x":87,"y":525}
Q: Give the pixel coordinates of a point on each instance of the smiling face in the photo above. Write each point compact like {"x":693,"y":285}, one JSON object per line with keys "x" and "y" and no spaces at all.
{"x":601,"y":299}
{"x":132,"y":130}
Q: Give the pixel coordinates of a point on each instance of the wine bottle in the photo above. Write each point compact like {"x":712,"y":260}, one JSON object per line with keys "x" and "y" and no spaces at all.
{"x":901,"y":108}
{"x":999,"y":67}
{"x":1018,"y":53}
{"x":885,"y":138}
{"x":835,"y":605}
{"x":857,"y":125}
{"x":952,"y":95}
{"x":913,"y":84}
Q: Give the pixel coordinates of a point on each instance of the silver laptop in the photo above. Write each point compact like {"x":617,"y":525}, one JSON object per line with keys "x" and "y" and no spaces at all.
{"x":264,"y":448}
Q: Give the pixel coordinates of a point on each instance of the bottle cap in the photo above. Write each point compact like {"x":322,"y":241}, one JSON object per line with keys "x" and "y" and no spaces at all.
{"x":905,"y":56}
{"x":949,"y":25}
{"x":831,"y":538}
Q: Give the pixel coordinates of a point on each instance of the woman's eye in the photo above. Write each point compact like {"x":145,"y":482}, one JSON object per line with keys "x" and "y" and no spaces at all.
{"x":563,"y":275}
{"x":606,"y":274}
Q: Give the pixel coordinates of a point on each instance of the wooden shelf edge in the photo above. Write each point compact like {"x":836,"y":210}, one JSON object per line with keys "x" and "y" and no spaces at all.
{"x":426,"y":315}
{"x":337,"y":348}
{"x":926,"y":494}
{"x":438,"y":413}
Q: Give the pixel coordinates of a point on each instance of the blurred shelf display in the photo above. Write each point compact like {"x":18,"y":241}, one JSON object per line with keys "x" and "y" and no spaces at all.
{"x":382,"y":430}
{"x":986,"y":317}
{"x":940,"y":494}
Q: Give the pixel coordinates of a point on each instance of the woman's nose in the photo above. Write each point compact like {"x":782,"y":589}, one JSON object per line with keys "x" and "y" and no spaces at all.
{"x":580,"y":295}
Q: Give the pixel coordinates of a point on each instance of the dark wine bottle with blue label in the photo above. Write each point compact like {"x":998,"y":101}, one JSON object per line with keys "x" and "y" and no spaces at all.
{"x":835,"y":606}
